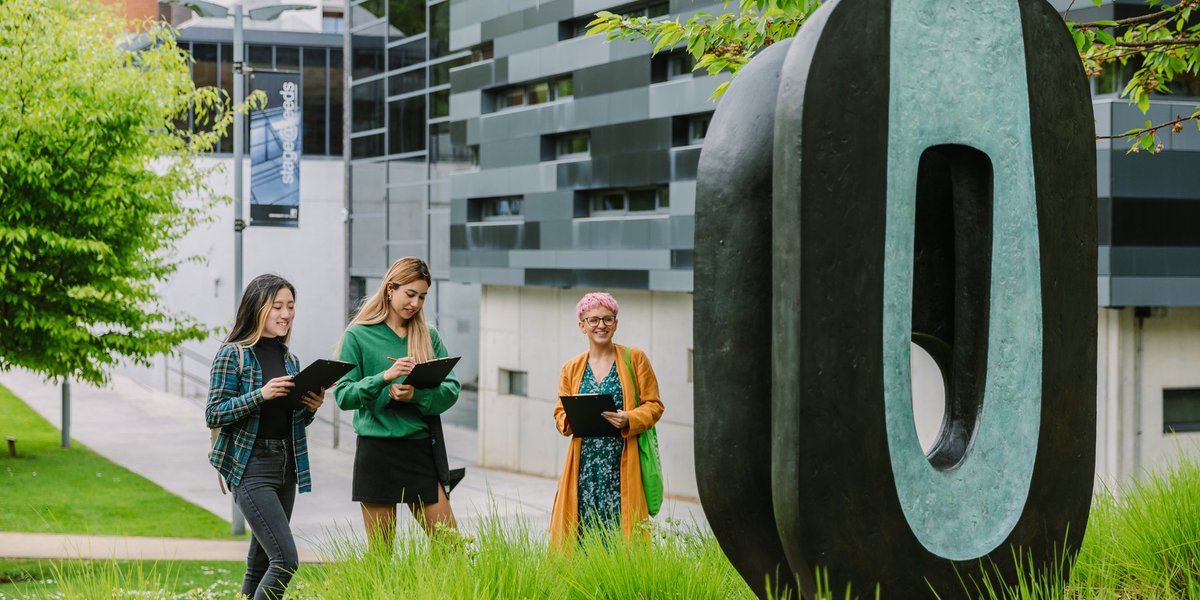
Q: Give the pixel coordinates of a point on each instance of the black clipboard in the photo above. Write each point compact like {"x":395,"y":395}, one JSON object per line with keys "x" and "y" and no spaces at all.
{"x":430,"y":374}
{"x":583,"y":414}
{"x":322,"y":373}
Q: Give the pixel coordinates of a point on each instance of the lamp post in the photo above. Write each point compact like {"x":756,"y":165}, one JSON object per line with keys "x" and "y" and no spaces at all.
{"x":260,"y":12}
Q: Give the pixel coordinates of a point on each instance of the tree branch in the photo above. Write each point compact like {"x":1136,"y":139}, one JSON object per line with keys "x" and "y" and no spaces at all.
{"x":1151,"y":130}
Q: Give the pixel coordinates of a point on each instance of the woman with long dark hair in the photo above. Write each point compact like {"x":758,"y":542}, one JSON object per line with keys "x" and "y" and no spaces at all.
{"x":397,"y":456}
{"x":261,"y":449}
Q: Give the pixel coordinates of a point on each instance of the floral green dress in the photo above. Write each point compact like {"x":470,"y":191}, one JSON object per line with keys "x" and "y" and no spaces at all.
{"x":600,"y":462}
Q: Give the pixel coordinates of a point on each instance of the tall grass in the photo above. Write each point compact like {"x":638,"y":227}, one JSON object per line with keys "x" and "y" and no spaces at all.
{"x":1142,"y":543}
{"x":506,"y":559}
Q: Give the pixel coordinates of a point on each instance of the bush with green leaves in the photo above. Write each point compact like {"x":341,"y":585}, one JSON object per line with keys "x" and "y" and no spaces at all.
{"x":95,"y":164}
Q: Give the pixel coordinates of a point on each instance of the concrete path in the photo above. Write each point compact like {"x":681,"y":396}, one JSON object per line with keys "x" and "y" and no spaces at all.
{"x":162,"y":437}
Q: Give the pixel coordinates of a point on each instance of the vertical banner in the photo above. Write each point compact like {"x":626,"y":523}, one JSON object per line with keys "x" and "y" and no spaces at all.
{"x":275,"y":151}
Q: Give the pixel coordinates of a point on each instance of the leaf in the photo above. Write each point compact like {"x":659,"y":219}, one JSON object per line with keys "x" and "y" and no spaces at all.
{"x":1105,"y":37}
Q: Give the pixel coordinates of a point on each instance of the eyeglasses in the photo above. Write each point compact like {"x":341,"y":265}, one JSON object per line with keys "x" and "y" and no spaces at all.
{"x":594,"y":321}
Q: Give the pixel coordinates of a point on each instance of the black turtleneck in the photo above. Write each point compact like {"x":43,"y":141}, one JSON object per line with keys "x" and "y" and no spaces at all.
{"x":274,"y":418}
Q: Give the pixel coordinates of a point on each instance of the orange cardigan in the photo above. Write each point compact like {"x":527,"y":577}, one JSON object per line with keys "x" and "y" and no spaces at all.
{"x":565,"y":515}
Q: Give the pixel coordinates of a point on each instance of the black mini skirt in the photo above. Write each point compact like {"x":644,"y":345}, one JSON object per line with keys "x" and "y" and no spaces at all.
{"x":394,"y":471}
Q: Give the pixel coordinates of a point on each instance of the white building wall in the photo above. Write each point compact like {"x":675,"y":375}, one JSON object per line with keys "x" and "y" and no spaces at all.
{"x":1138,"y":358}
{"x":535,"y":330}
{"x":312,"y":257}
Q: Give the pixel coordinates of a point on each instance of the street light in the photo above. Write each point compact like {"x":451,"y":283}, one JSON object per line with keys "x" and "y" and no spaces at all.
{"x":266,"y":12}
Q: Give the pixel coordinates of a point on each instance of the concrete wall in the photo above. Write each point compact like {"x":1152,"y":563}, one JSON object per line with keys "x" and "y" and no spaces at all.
{"x":534,"y":329}
{"x":1137,"y":359}
{"x":311,"y":256}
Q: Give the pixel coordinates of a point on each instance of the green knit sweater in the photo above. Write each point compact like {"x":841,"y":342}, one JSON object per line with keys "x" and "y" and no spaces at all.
{"x":366,"y":391}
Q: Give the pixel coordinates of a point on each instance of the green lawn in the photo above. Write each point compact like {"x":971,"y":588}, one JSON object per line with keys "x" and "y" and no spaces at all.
{"x":49,"y":489}
{"x":85,"y":578}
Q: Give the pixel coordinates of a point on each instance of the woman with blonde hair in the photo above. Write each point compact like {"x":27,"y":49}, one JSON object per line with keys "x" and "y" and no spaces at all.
{"x":601,"y":482}
{"x":399,"y":458}
{"x":261,"y":449}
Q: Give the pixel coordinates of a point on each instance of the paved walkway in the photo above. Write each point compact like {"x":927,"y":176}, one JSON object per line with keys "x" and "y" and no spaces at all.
{"x":162,"y":437}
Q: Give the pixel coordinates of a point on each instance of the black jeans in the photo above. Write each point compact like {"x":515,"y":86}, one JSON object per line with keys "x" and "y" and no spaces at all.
{"x":265,"y":496}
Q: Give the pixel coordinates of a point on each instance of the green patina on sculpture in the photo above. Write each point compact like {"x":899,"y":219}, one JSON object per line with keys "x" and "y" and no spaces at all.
{"x":967,"y":510}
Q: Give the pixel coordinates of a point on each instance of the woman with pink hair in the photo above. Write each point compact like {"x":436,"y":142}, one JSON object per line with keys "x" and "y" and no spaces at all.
{"x":601,"y":483}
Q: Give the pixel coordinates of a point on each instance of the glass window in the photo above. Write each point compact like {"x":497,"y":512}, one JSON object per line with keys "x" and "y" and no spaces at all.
{"x":482,"y":52}
{"x":316,"y":123}
{"x":287,"y":58}
{"x":332,"y":23}
{"x":474,"y":150}
{"x":511,"y":97}
{"x":439,"y":29}
{"x":406,"y":17}
{"x":261,"y":57}
{"x":698,"y":128}
{"x":1181,"y":410}
{"x":439,"y":104}
{"x":514,"y":383}
{"x":367,"y":101}
{"x":608,"y":202}
{"x":406,"y":128}
{"x":642,"y":200}
{"x":658,"y":9}
{"x":507,"y":208}
{"x":366,"y":54}
{"x":539,"y":93}
{"x":366,"y":147}
{"x":564,"y":87}
{"x":225,"y":81}
{"x":408,"y":81}
{"x":406,"y":55}
{"x":336,"y":77}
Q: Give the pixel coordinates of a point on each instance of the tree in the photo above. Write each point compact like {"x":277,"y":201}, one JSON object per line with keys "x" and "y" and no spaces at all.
{"x":95,"y":161}
{"x":1160,"y":47}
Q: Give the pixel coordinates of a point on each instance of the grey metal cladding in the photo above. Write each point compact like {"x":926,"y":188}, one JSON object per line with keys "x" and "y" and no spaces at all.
{"x":1155,"y":175}
{"x":576,"y":174}
{"x":473,"y":77}
{"x":615,"y":139}
{"x":548,"y":207}
{"x":633,"y":168}
{"x":557,"y":235}
{"x":1154,"y":262}
{"x":593,"y":278}
{"x":1104,"y":221}
{"x":510,"y":152}
{"x":502,"y":25}
{"x":683,"y":231}
{"x":613,"y":76}
{"x":515,"y":22}
{"x":684,"y":162}
{"x":1153,"y":291}
{"x":517,"y":236}
{"x":458,"y":212}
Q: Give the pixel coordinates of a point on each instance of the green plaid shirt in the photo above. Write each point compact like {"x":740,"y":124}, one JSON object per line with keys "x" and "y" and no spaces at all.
{"x":233,"y":403}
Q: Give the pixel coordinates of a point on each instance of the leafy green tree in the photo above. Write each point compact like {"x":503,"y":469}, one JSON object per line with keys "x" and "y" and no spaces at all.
{"x":95,"y":162}
{"x":1160,"y":47}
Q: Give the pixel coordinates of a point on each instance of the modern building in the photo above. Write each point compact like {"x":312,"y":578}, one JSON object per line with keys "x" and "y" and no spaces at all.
{"x":402,"y":155}
{"x":532,"y":165}
{"x":1148,"y":285}
{"x":583,"y":173}
{"x":312,"y":254}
